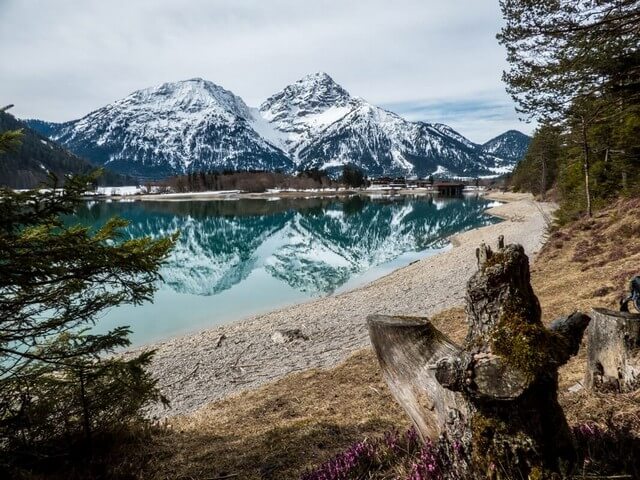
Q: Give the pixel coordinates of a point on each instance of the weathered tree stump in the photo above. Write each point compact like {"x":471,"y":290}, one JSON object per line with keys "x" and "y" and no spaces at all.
{"x":613,"y":351}
{"x":408,"y":349}
{"x":496,"y":396}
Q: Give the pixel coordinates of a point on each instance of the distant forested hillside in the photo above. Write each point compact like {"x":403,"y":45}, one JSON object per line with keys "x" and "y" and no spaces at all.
{"x":575,"y":68}
{"x":29,"y":165}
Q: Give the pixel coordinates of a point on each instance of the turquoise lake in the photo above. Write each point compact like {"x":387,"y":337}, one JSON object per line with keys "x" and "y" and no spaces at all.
{"x":235,"y":258}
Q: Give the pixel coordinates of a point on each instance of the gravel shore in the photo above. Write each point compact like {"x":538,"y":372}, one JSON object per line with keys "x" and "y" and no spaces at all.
{"x":200,"y":368}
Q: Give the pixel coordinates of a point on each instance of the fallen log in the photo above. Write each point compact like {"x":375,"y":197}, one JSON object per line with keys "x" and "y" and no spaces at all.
{"x":408,"y":350}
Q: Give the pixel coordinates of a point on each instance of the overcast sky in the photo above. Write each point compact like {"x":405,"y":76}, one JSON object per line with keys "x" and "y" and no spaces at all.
{"x":431,"y":60}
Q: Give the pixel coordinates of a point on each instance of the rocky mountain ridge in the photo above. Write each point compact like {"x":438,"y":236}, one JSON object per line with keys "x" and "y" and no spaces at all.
{"x":196,"y":125}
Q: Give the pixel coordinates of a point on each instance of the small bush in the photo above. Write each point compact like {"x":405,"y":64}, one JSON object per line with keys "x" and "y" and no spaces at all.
{"x":398,"y":456}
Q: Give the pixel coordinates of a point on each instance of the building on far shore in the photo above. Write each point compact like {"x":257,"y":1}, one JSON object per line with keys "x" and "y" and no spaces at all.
{"x":449,"y":189}
{"x":443,"y":188}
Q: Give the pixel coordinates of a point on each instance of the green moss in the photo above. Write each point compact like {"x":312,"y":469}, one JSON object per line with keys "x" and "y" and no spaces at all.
{"x":524,"y":342}
{"x":536,"y":473}
{"x":484,"y":430}
{"x":494,"y":259}
{"x":490,"y":450}
{"x":499,"y":451}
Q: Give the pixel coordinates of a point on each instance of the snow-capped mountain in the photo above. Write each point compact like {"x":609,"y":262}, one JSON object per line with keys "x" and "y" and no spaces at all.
{"x":174,"y":128}
{"x":196,"y":125}
{"x":511,"y":145}
{"x":302,"y":111}
{"x":322,"y":126}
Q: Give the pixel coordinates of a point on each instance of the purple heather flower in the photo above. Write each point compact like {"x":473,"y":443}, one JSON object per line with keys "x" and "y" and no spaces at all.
{"x":392,"y":441}
{"x":341,"y":466}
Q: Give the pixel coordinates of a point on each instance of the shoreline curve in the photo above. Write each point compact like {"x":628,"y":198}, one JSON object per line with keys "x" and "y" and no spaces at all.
{"x":206,"y":366}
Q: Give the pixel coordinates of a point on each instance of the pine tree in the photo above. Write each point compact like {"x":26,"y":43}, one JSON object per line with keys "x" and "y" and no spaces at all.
{"x":563,"y":50}
{"x":576,"y":64}
{"x":61,"y":385}
{"x":537,"y":172}
{"x":9,"y":140}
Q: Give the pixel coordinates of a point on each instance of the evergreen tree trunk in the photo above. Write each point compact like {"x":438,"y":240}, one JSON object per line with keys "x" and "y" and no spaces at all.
{"x":543,"y":179}
{"x":585,"y":165}
{"x":86,"y":421}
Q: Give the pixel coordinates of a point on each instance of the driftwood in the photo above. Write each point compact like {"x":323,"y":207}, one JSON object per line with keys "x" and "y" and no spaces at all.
{"x":496,"y":395}
{"x":613,"y":352}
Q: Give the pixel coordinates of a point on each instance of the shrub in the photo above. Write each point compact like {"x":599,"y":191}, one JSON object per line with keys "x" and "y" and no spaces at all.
{"x":61,"y":387}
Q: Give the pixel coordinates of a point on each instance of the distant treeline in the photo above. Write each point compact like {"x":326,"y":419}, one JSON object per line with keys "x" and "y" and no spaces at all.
{"x":583,"y":89}
{"x":261,"y":181}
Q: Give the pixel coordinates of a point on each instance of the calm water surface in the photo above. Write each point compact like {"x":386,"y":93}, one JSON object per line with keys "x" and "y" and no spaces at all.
{"x":235,"y":258}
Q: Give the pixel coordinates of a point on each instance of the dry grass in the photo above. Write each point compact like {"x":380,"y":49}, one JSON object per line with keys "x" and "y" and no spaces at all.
{"x":277,"y":430}
{"x":283,"y":428}
{"x":584,"y":265}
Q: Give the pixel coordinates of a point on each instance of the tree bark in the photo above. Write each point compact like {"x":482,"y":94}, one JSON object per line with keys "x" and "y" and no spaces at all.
{"x":497,"y":394}
{"x":408,"y":349}
{"x":585,"y":164}
{"x":543,"y":179}
{"x":613,"y":352}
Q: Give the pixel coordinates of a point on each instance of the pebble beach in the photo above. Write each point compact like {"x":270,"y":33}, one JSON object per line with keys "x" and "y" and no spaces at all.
{"x":199,"y":368}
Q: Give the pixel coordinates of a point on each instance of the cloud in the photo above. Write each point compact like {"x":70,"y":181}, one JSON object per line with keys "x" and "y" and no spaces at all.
{"x":65,"y":58}
{"x":479,"y":118}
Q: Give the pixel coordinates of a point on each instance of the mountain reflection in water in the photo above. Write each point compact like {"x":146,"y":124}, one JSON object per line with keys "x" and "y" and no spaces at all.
{"x":261,"y":254}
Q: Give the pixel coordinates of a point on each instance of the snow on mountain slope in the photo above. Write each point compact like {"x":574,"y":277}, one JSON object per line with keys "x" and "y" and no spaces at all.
{"x":196,"y":125}
{"x":302,"y":110}
{"x":511,"y":145}
{"x":174,"y":128}
{"x":450,"y":132}
{"x":366,"y":136}
{"x":324,"y":127}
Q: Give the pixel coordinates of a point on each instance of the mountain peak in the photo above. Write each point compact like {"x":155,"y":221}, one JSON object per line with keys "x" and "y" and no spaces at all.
{"x":320,"y":85}
{"x":190,"y":96}
{"x":311,"y":93}
{"x":306,"y":107}
{"x":317,"y":77}
{"x":509,"y":133}
{"x":511,"y":144}
{"x":172,"y":128}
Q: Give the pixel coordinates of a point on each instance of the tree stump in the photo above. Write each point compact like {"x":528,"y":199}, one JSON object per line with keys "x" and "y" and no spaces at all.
{"x":613,"y":352}
{"x":408,"y":349}
{"x":496,"y":396}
